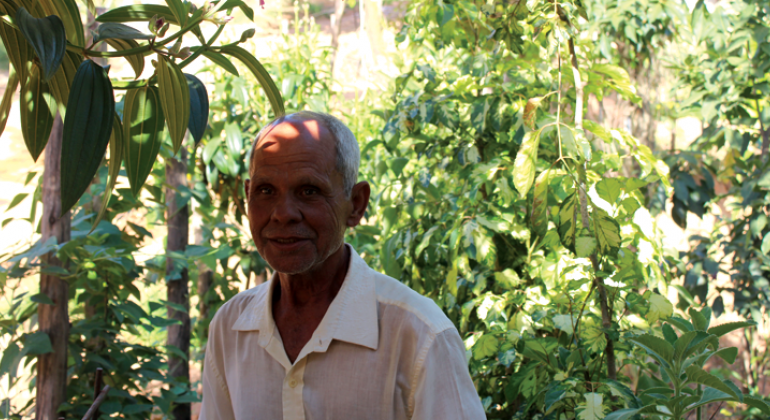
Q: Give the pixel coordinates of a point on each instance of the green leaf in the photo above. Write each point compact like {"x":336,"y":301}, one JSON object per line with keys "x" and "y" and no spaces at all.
{"x":486,"y":346}
{"x":42,"y":299}
{"x":179,"y":10}
{"x":682,"y":344}
{"x":47,"y":37}
{"x":698,"y":320}
{"x":568,"y":220}
{"x":765,"y":247}
{"x":18,"y":198}
{"x":37,"y":343}
{"x":607,"y":232}
{"x":660,"y":308}
{"x":656,"y":346}
{"x":585,"y":246}
{"x":593,"y":409}
{"x":137,"y":13}
{"x":598,"y":130}
{"x":609,"y":189}
{"x":445,"y":13}
{"x":723,"y":329}
{"x":682,"y":324}
{"x":199,"y":108}
{"x":63,"y":79}
{"x":174,"y":99}
{"x":233,"y":139}
{"x":709,"y":396}
{"x":219,"y":60}
{"x":10,"y":362}
{"x":37,"y":109}
{"x":530,"y":111}
{"x":116,"y":30}
{"x":142,"y":127}
{"x":68,"y":11}
{"x":20,"y":53}
{"x":263,"y":77}
{"x":87,"y":129}
{"x":539,"y":216}
{"x":5,"y":106}
{"x":245,"y":9}
{"x":728,"y":354}
{"x":699,"y":376}
{"x":524,"y":165}
{"x":117,"y":148}
{"x":136,"y":61}
{"x":756,"y":403}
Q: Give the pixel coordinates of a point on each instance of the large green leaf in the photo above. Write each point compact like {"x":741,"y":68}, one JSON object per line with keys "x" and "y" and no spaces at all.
{"x":263,"y":77}
{"x":631,"y":413}
{"x":68,"y":11}
{"x":220,"y":60}
{"x":609,"y":189}
{"x":524,"y":165}
{"x":539,"y":216}
{"x":116,"y":158}
{"x":723,"y":329}
{"x":137,"y":13}
{"x":142,"y":127}
{"x":699,"y":320}
{"x":174,"y":99}
{"x":757,"y":403}
{"x":699,"y":376}
{"x":47,"y":37}
{"x":568,"y":220}
{"x":607,"y":232}
{"x":136,"y":61}
{"x":5,"y":105}
{"x":199,"y":107}
{"x":19,"y":51}
{"x":87,"y":129}
{"x":117,"y":30}
{"x":37,"y":342}
{"x":37,"y":109}
{"x":656,"y":346}
{"x":63,"y":79}
{"x":686,"y":343}
{"x":179,"y":10}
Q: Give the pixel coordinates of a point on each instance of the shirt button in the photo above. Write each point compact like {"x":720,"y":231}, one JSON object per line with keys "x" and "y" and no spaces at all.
{"x":293,"y":383}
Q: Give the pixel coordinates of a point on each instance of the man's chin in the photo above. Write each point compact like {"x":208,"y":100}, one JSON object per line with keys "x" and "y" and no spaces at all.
{"x":287,"y":265}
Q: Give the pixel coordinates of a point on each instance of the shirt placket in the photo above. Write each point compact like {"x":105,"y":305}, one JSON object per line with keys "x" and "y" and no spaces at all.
{"x":293,"y":384}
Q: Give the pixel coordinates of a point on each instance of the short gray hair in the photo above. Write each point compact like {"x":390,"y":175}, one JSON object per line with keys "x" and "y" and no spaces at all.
{"x":345,"y":144}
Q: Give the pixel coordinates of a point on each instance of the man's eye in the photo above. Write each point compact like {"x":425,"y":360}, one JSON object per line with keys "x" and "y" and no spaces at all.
{"x":265,"y":190}
{"x":310,"y":191}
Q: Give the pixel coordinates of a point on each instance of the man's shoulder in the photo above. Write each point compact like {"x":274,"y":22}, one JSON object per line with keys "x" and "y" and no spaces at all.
{"x":392,"y":292}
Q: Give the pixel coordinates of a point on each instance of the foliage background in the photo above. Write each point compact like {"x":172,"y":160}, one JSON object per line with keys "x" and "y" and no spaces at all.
{"x":443,"y":101}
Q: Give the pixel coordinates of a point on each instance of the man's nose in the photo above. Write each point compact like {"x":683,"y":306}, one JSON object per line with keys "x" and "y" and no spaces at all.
{"x":286,"y":210}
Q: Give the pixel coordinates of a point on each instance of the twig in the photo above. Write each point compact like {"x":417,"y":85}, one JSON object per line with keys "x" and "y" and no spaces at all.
{"x":95,"y":406}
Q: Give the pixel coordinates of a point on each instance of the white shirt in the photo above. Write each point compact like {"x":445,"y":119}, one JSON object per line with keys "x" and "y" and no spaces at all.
{"x":382,"y":351}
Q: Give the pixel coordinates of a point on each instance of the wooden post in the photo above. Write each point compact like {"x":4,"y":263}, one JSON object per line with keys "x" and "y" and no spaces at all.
{"x":53,"y":319}
{"x":177,"y":291}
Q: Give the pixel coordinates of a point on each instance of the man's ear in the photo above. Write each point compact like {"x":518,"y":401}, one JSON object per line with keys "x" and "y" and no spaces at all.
{"x":359,"y":197}
{"x":246,"y":185}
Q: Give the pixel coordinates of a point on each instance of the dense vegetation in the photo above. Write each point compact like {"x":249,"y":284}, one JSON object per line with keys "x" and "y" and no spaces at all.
{"x":499,"y":191}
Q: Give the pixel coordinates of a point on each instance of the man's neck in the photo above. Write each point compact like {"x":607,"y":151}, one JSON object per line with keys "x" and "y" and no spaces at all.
{"x":315,"y":287}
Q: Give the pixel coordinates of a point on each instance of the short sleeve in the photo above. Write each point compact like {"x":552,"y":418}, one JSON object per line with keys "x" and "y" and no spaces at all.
{"x":444,"y":387}
{"x":216,"y":403}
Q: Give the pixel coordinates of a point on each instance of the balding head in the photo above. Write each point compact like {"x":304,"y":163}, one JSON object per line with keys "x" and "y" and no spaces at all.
{"x":348,"y":154}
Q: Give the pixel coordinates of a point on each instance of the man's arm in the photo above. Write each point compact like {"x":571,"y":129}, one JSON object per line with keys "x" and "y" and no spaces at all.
{"x":444,"y":388}
{"x":216,"y":396}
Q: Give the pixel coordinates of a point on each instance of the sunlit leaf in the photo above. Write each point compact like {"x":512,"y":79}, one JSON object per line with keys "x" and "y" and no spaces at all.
{"x":524,"y":165}
{"x":174,"y":99}
{"x":47,"y":37}
{"x":142,"y":127}
{"x":37,"y":109}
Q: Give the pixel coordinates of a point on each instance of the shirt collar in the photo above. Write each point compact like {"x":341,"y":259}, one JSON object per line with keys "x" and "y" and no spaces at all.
{"x":351,"y":317}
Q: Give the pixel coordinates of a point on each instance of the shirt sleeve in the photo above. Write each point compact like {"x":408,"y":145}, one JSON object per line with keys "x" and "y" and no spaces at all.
{"x":444,"y":387}
{"x":216,"y":403}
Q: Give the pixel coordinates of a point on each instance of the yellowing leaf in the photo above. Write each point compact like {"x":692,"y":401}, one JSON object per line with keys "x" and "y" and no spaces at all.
{"x":530,"y":111}
{"x":593,"y":409}
{"x":660,"y":308}
{"x":524,"y":166}
{"x":565,"y":323}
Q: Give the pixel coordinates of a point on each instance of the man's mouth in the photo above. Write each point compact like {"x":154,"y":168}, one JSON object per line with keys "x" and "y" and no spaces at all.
{"x":287,"y":240}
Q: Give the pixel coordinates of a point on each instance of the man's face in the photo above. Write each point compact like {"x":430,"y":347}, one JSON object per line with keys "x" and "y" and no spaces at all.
{"x":298,"y":209}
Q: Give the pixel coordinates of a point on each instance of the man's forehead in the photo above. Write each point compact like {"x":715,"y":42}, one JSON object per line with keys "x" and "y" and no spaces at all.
{"x":292,"y":129}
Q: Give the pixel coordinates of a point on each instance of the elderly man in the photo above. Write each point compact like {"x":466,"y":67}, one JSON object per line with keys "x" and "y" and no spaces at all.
{"x":326,"y":337}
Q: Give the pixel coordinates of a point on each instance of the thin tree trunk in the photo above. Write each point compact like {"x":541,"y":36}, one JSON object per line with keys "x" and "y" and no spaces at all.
{"x":177,"y":290}
{"x":599,"y":281}
{"x":51,"y":382}
{"x":205,"y":280}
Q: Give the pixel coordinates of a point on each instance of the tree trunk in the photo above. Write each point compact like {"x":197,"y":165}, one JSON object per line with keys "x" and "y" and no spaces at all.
{"x":177,"y":290}
{"x":336,"y":27}
{"x":205,"y":280}
{"x":53,"y":319}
